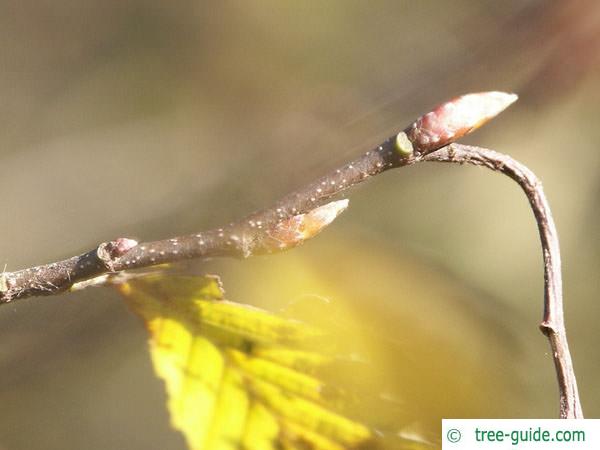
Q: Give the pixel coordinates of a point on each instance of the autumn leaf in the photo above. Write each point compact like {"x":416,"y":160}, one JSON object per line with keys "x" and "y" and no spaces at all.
{"x":237,"y":376}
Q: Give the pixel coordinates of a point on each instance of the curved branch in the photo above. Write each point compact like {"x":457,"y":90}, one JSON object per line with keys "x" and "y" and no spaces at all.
{"x":272,"y":229}
{"x":553,"y":325}
{"x":304,"y":213}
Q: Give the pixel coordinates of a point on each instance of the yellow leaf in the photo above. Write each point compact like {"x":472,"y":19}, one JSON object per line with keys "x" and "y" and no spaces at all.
{"x":229,"y":421}
{"x":262,"y":429}
{"x":237,"y":376}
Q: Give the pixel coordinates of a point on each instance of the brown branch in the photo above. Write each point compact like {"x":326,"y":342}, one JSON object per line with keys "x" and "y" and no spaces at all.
{"x":553,"y":324}
{"x":302,"y":214}
{"x":262,"y":231}
{"x":271,"y":230}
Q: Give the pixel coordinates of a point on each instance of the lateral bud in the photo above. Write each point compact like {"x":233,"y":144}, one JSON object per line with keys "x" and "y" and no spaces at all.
{"x":108,"y":252}
{"x":297,"y":229}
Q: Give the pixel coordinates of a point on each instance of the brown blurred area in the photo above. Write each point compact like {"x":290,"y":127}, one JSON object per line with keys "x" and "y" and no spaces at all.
{"x":149,"y":119}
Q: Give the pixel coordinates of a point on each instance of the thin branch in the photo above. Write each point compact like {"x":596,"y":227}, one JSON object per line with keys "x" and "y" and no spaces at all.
{"x":553,"y":324}
{"x":262,"y":231}
{"x":305,"y":212}
{"x":266,"y":231}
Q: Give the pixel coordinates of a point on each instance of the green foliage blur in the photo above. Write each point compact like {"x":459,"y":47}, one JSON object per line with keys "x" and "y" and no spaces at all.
{"x":148,"y":119}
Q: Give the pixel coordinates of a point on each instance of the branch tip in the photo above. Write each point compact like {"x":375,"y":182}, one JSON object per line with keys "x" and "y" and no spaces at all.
{"x":456,"y":118}
{"x":273,"y":229}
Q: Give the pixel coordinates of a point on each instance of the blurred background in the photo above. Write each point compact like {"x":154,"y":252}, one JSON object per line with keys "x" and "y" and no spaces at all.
{"x":149,"y":119}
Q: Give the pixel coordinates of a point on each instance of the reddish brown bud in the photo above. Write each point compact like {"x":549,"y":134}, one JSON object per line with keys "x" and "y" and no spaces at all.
{"x":119,"y":247}
{"x":454,"y":119}
{"x":297,"y":229}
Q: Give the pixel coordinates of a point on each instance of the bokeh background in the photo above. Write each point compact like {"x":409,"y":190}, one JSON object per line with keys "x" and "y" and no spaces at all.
{"x":149,"y":119}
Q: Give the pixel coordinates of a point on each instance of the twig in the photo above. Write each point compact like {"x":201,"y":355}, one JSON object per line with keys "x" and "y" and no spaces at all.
{"x":255,"y":235}
{"x":269,"y":230}
{"x":553,"y":324}
{"x":304,"y":213}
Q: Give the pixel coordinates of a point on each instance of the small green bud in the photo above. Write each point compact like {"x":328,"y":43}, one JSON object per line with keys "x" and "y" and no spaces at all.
{"x":403,"y":145}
